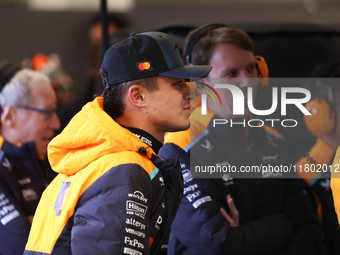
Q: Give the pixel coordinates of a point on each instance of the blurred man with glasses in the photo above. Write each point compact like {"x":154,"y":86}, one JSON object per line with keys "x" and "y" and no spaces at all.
{"x":28,"y":121}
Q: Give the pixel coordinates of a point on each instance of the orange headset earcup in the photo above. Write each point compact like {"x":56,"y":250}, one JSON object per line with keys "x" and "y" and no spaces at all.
{"x":262,"y":70}
{"x":263,"y":83}
{"x":322,"y":119}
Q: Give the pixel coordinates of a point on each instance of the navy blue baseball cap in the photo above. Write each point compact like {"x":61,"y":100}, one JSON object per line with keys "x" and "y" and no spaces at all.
{"x":147,"y":54}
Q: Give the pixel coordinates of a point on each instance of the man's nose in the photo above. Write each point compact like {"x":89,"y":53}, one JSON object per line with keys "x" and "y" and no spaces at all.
{"x":188,"y":93}
{"x":55,"y":122}
{"x":245,"y":80}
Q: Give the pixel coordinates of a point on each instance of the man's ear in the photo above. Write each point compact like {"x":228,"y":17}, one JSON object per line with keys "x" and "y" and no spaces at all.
{"x":195,"y":85}
{"x":136,"y":95}
{"x":8,"y":116}
{"x":193,"y":89}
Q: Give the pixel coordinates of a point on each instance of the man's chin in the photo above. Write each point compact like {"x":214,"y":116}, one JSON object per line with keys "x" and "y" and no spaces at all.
{"x":41,"y":152}
{"x":180,"y":128}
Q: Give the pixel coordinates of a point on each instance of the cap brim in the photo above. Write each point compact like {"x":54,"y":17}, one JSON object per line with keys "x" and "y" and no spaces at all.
{"x":188,"y":72}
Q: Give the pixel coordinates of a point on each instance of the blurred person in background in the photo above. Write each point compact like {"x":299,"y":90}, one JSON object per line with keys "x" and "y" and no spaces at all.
{"x":52,"y":66}
{"x":95,"y":35}
{"x":62,"y":83}
{"x":324,"y":123}
{"x":94,"y":56}
{"x":235,"y":215}
{"x":28,"y":121}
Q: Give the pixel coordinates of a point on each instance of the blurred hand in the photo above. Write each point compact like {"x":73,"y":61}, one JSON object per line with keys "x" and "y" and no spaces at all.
{"x":233,"y":218}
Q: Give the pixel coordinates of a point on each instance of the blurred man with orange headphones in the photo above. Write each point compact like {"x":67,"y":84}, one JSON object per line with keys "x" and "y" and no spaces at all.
{"x":324,"y":123}
{"x":235,"y":215}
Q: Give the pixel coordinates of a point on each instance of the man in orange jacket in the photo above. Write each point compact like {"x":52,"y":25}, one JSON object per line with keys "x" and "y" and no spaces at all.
{"x":113,"y":195}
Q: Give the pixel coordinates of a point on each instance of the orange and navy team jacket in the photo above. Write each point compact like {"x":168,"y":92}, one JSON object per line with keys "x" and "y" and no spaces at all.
{"x":275,"y":214}
{"x":22,"y":183}
{"x":113,"y":195}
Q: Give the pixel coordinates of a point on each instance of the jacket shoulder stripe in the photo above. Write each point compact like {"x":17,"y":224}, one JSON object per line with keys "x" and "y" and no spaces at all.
{"x":154,"y":173}
{"x":206,"y":132}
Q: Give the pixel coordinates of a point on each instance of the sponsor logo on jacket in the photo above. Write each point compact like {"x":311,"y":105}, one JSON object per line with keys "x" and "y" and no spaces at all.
{"x":133,"y":242}
{"x":144,"y":139}
{"x":7,"y":164}
{"x":136,"y":208}
{"x":7,"y":210}
{"x":24,"y":181}
{"x":190,"y":188}
{"x":139,"y":195}
{"x":187,"y":177}
{"x":135,"y":232}
{"x":270,"y":159}
{"x":158,"y":222}
{"x":161,"y":180}
{"x":29,"y":194}
{"x":131,"y":251}
{"x":136,"y":223}
{"x":201,"y":201}
{"x":228,"y":180}
{"x":207,"y":145}
{"x":193,"y":196}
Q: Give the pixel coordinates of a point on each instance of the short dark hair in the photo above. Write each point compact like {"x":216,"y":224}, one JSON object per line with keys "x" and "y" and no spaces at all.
{"x":116,"y":19}
{"x":330,"y":72}
{"x":204,"y":48}
{"x":114,"y":104}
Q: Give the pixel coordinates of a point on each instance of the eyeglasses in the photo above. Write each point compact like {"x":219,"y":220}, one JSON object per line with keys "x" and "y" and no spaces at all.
{"x":48,"y":113}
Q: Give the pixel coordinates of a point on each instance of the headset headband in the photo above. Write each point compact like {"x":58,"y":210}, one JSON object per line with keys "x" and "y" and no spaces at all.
{"x":194,"y":39}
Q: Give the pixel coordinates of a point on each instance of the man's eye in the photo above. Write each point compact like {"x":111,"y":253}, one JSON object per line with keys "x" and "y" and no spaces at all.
{"x":179,"y":83}
{"x":251,"y":68}
{"x":231,"y":74}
